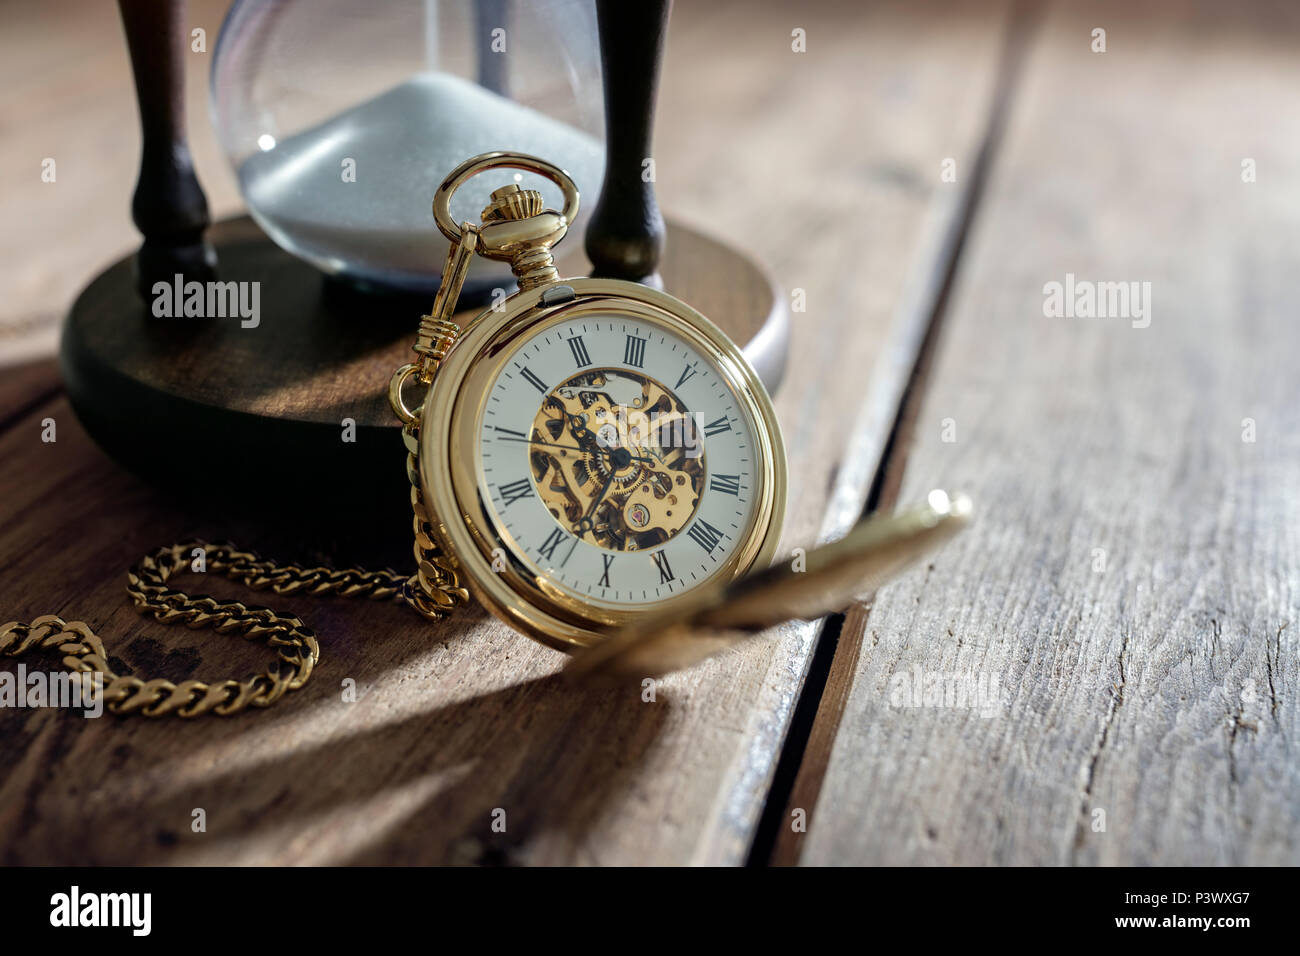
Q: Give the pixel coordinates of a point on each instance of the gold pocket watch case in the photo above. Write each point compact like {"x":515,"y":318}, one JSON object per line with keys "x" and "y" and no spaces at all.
{"x":590,"y":450}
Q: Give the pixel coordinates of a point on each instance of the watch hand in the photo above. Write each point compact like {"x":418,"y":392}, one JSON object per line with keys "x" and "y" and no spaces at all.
{"x":577,"y":536}
{"x":551,"y":444}
{"x":599,"y":497}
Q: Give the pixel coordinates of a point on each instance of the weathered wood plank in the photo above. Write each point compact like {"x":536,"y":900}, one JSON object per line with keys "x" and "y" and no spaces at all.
{"x":25,"y":387}
{"x":1133,"y":579}
{"x":458,"y":719}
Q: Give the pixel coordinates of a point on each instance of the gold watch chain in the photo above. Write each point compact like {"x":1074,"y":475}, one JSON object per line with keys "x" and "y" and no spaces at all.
{"x":434,"y":591}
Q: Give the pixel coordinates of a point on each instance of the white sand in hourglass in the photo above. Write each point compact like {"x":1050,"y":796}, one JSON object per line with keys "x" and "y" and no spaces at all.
{"x":377,"y":226}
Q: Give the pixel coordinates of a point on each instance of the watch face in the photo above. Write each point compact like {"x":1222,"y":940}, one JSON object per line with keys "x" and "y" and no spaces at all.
{"x":617,"y":458}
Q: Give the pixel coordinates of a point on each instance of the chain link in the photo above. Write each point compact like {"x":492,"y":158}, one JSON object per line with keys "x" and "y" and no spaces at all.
{"x":434,"y":591}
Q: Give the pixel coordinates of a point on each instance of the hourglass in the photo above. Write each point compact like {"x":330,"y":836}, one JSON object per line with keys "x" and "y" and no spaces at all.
{"x":328,"y":140}
{"x":339,"y":118}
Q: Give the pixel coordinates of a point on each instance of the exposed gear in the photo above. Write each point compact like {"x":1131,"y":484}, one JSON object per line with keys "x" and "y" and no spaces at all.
{"x":605,"y":463}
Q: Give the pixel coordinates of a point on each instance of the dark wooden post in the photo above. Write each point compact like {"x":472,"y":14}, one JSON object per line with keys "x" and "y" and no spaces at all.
{"x":168,"y":207}
{"x":625,"y":236}
{"x":488,"y":15}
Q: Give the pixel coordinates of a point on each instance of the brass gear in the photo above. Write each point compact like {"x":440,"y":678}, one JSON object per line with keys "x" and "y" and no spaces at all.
{"x":578,"y":434}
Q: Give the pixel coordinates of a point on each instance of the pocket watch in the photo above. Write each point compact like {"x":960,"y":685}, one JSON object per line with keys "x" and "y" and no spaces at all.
{"x":588,"y":450}
{"x":591,"y":458}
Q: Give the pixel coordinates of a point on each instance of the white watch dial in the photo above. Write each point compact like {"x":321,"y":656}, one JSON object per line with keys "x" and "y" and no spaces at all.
{"x":617,"y":460}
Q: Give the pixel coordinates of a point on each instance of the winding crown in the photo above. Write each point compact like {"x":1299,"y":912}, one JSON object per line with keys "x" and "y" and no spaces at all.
{"x":512,"y":203}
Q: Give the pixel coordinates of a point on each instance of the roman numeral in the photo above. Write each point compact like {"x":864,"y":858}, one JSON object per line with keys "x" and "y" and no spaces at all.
{"x":609,"y":563}
{"x":705,"y":535}
{"x":512,"y":492}
{"x":727,"y":484}
{"x":686,"y":375}
{"x":634,"y":351}
{"x":579,"y":350}
{"x":660,"y":559}
{"x":718,"y":427}
{"x":547,"y":550}
{"x":537,"y":382}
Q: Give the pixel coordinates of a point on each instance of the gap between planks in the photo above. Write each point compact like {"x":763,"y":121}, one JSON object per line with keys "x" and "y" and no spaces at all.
{"x":899,"y":382}
{"x":1158,"y":690}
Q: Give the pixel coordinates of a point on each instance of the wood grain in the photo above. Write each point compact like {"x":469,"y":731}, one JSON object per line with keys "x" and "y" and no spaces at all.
{"x":459,"y":719}
{"x":1148,"y":705}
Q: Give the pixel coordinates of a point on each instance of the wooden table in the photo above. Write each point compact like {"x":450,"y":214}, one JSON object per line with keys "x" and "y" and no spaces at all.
{"x":1129,"y":589}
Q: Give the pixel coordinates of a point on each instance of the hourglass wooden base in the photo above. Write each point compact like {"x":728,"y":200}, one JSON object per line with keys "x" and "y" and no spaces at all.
{"x":292,"y":411}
